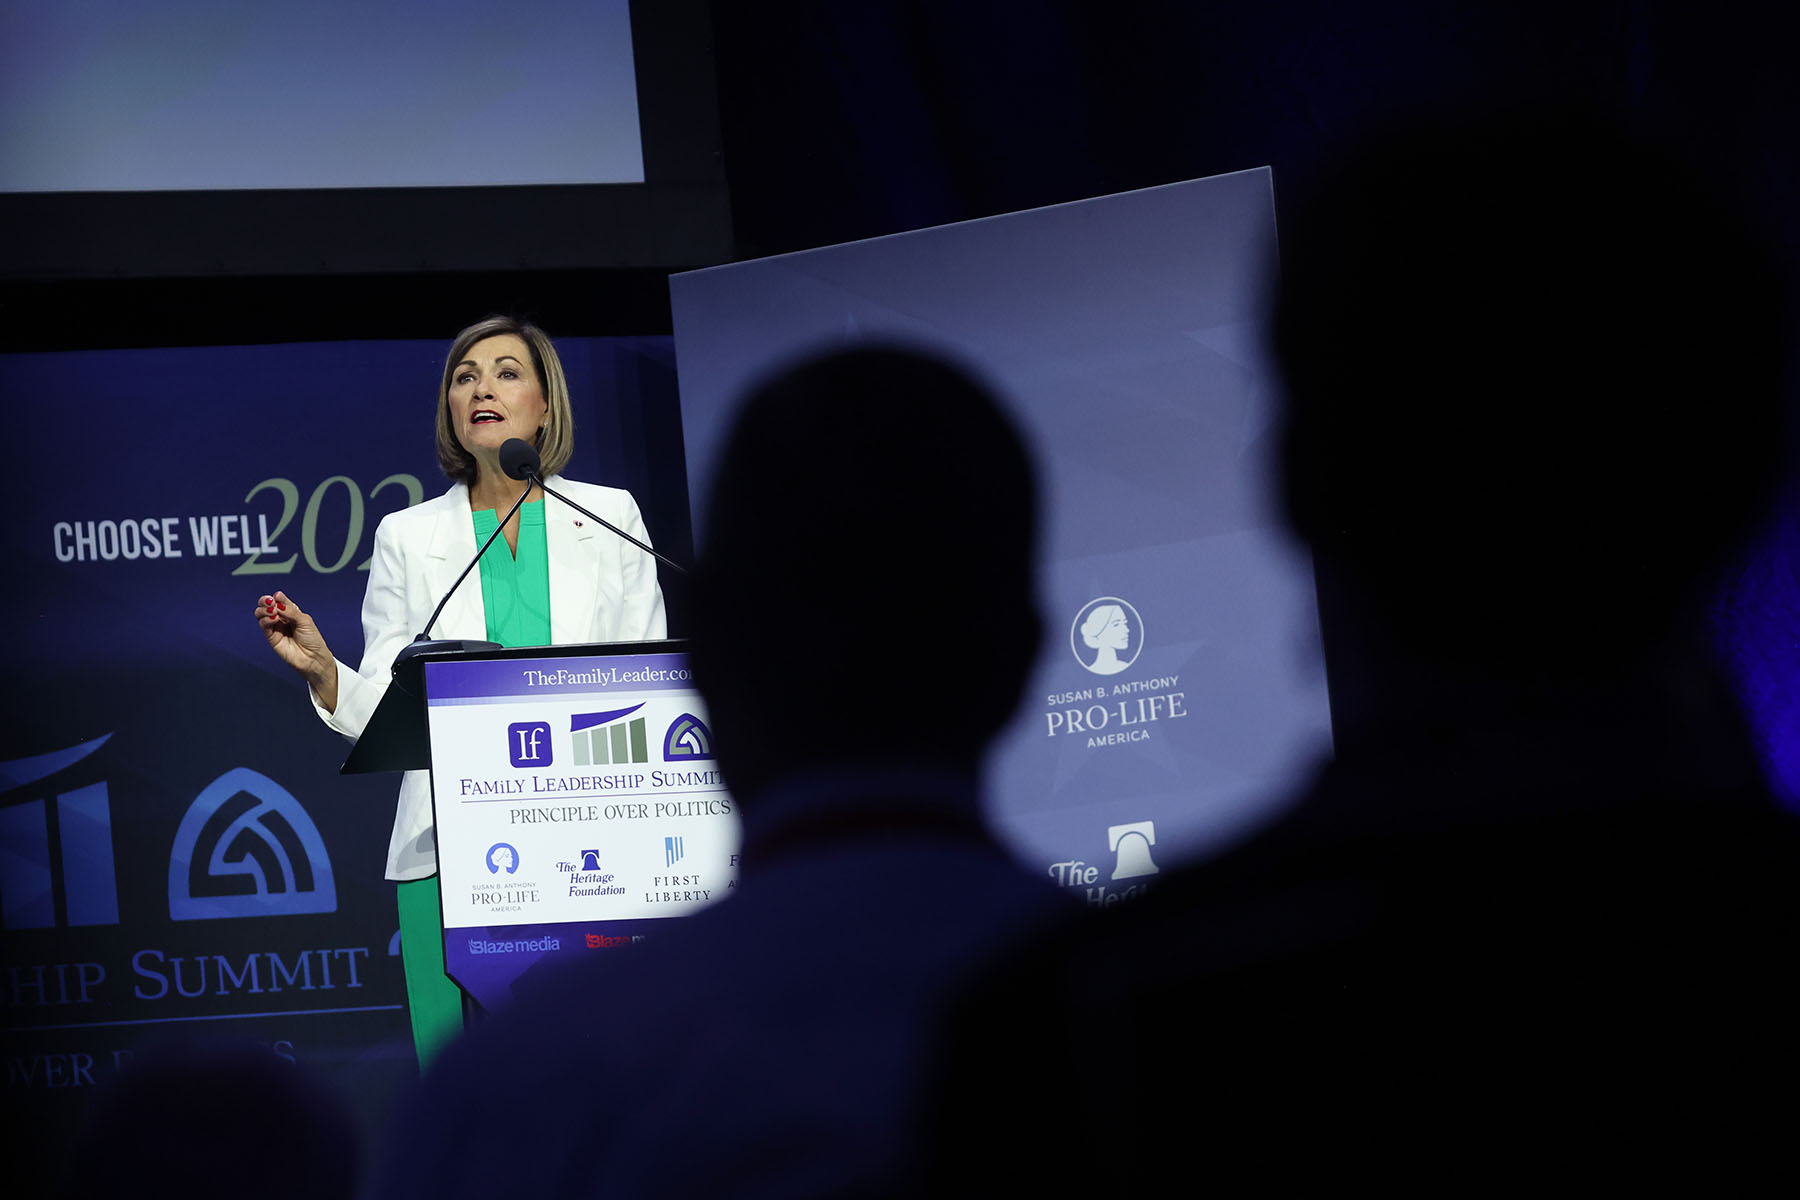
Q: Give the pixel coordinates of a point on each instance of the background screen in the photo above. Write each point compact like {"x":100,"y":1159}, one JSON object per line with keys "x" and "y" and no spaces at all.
{"x":113,"y":95}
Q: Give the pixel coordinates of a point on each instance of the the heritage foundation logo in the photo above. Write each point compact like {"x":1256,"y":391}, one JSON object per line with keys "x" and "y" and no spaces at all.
{"x":89,"y":892}
{"x":688,"y":740}
{"x":1106,"y":635}
{"x":590,"y":878}
{"x":1131,"y":845}
{"x":246,"y":848}
{"x":607,"y":739}
{"x":528,"y":744}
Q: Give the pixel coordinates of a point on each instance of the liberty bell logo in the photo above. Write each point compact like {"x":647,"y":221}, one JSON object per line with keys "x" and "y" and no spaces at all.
{"x":1131,"y":843}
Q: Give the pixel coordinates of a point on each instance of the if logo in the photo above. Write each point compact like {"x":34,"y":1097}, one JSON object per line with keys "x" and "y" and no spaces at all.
{"x":74,"y":885}
{"x":528,"y":742}
{"x":608,"y":738}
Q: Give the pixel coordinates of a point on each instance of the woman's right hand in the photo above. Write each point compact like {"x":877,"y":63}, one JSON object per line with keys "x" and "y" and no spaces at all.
{"x":296,"y":640}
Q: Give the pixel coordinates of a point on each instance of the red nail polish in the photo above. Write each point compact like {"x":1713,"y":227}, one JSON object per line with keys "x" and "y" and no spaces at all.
{"x":282,"y":607}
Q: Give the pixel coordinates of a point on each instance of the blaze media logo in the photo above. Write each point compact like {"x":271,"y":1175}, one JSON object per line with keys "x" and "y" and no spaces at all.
{"x":246,"y":848}
{"x":688,"y":740}
{"x":29,"y":897}
{"x":607,"y":739}
{"x":528,"y":744}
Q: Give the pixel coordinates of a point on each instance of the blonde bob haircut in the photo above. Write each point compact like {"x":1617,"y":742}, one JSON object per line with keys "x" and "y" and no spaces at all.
{"x":555,"y":442}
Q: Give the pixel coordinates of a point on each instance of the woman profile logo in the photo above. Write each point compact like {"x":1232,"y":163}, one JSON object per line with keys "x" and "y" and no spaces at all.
{"x":502,"y":857}
{"x":1111,"y":629}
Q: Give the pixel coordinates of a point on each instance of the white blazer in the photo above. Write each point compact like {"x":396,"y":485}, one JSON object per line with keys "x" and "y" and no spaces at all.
{"x":602,"y":589}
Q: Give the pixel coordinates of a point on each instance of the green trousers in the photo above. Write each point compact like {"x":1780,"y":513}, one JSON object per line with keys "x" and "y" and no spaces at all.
{"x":434,"y":1003}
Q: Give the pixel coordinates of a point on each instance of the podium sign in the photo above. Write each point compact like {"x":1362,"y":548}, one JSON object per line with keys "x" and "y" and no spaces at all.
{"x":577,"y":804}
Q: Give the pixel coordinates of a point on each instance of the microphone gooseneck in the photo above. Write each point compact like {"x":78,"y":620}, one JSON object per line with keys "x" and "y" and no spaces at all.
{"x":425,"y":635}
{"x":647,"y":549}
{"x":519,"y":459}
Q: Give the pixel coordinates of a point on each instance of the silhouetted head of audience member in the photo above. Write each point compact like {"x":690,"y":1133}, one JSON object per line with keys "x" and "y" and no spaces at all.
{"x":228,"y":1118}
{"x":1534,"y":374}
{"x":865,"y":586}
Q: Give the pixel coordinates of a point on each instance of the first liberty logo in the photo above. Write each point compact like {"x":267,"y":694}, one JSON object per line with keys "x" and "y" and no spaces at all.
{"x":1107,"y":635}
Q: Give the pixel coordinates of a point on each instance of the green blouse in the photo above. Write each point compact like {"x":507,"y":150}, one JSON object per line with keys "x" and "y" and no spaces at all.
{"x":515,"y":588}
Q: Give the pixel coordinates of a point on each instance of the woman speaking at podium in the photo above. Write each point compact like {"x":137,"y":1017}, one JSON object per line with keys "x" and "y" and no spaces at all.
{"x":563,"y":580}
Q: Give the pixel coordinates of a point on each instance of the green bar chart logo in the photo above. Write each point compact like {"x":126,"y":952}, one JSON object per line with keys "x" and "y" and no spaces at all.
{"x":609,"y":738}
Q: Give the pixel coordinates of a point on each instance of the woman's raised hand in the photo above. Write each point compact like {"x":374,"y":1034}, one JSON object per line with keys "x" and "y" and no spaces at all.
{"x":296,"y":639}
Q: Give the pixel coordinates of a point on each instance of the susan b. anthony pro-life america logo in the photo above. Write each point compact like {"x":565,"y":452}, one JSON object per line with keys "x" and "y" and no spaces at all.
{"x":501,"y":856}
{"x":1106,"y":638}
{"x":1107,"y":635}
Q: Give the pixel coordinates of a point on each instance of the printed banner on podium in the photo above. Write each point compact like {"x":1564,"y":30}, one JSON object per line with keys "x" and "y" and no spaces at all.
{"x":577,"y":802}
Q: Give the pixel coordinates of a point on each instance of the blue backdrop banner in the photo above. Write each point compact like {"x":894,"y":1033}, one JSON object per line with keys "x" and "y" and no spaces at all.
{"x":1179,"y":695}
{"x":178,"y":853}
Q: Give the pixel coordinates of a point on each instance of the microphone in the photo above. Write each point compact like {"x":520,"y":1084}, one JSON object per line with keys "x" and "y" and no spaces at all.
{"x":519,"y":459}
{"x":426,"y":644}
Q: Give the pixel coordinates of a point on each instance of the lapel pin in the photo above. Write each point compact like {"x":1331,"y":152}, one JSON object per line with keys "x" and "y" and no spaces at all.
{"x":578,"y":524}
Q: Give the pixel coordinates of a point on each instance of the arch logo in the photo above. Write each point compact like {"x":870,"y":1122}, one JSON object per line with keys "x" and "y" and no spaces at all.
{"x":246,"y":848}
{"x":688,"y":740}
